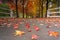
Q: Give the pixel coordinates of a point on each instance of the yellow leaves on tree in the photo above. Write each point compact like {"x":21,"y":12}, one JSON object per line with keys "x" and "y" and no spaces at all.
{"x":32,"y":7}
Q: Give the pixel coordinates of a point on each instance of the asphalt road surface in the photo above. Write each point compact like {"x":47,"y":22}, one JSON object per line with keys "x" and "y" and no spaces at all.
{"x":44,"y":25}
